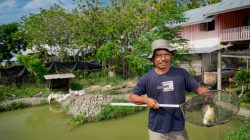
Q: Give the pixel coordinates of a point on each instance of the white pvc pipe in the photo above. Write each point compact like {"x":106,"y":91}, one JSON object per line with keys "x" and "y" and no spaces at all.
{"x":144,"y":105}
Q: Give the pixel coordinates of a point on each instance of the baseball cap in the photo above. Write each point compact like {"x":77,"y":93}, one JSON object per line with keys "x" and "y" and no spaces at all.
{"x":161,"y":44}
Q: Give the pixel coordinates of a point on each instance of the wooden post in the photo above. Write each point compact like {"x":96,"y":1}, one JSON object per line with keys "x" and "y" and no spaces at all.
{"x":247,"y":63}
{"x":219,"y":70}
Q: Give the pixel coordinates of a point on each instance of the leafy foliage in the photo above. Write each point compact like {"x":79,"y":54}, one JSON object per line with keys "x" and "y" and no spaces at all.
{"x":11,"y":40}
{"x":34,"y":65}
{"x":161,"y":17}
{"x":108,"y":53}
{"x":75,"y":121}
{"x":191,"y":4}
{"x":242,"y":78}
{"x":52,"y":27}
{"x":126,"y":26}
{"x":138,"y":65}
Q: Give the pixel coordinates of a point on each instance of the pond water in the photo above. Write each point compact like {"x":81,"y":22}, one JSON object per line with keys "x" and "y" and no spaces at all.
{"x":39,"y":123}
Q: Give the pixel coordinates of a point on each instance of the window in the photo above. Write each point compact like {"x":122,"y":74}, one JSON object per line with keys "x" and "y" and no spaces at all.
{"x":246,"y":21}
{"x":208,"y":26}
{"x":203,"y":26}
{"x":211,"y":26}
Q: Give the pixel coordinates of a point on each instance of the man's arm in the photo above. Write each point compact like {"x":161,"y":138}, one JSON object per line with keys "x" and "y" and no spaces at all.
{"x":204,"y":90}
{"x":134,"y":98}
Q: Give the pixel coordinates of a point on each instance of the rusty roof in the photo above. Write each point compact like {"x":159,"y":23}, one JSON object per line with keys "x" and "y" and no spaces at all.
{"x":59,"y":76}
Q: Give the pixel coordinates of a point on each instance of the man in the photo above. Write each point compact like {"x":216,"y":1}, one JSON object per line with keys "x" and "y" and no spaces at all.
{"x":165,"y":84}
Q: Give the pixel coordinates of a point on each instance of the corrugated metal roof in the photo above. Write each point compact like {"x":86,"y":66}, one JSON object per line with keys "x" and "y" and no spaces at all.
{"x":59,"y":76}
{"x":196,"y":16}
{"x":208,"y":49}
{"x":203,"y":14}
{"x":203,"y":50}
{"x":227,"y":6}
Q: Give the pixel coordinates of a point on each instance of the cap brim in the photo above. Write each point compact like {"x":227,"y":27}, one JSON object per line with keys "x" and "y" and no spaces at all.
{"x":150,"y":56}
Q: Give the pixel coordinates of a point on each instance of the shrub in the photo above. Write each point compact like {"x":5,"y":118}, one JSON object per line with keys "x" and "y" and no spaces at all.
{"x":75,"y":85}
{"x":34,"y":65}
{"x":75,"y":121}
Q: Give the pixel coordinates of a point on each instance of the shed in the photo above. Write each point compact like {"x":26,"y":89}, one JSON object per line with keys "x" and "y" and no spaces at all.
{"x":58,"y":81}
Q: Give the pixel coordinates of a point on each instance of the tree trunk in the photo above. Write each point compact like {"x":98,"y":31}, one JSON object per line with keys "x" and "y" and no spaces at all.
{"x":111,"y":73}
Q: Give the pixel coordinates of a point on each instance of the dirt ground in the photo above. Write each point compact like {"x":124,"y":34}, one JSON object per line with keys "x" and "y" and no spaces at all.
{"x":123,"y":87}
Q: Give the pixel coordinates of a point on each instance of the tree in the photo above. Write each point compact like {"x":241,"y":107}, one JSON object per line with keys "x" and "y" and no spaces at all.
{"x":191,"y":4}
{"x":52,"y":27}
{"x":34,"y":65}
{"x":115,"y":21}
{"x":242,"y":79}
{"x":92,"y":15}
{"x":11,"y":40}
{"x":162,"y":14}
{"x":108,"y":54}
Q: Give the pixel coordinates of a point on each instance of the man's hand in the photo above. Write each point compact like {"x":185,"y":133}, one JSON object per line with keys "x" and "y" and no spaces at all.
{"x":208,"y":97}
{"x":207,"y":94}
{"x":152,"y":103}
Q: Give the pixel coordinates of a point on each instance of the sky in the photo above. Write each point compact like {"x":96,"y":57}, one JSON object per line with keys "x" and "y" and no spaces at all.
{"x":13,"y":10}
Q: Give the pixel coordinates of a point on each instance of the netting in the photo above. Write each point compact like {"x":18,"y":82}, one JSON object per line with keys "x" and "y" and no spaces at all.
{"x":200,"y":110}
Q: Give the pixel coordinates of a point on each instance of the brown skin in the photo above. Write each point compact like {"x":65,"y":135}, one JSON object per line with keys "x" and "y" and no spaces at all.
{"x":162,"y":61}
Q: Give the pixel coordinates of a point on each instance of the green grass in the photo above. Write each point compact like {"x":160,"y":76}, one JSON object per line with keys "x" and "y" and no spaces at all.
{"x":14,"y":106}
{"x":97,"y":78}
{"x":112,"y":112}
{"x":243,"y":133}
{"x":245,"y":105}
{"x":13,"y":91}
{"x":75,"y":121}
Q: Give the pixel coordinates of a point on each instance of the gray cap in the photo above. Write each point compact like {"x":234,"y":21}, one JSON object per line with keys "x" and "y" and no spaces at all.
{"x":161,"y":44}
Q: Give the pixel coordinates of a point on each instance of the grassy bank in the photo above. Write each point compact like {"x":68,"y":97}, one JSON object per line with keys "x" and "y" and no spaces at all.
{"x":107,"y":112}
{"x":242,"y":133}
{"x":12,"y":91}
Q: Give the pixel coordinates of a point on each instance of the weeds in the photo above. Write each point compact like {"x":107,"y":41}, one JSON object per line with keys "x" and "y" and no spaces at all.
{"x":75,"y":121}
{"x":14,"y":106}
{"x":111,"y":112}
{"x":13,"y":91}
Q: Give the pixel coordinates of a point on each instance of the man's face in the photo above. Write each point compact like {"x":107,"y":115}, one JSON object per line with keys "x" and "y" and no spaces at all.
{"x":162,"y":59}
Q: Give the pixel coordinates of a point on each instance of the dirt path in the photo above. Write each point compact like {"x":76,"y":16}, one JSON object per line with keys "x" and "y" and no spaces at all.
{"x":244,"y":112}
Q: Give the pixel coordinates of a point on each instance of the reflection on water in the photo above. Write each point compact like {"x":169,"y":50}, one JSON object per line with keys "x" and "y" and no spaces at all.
{"x":41,"y":124}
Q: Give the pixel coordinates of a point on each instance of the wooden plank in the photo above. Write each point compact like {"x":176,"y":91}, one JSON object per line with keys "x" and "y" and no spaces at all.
{"x":235,"y":56}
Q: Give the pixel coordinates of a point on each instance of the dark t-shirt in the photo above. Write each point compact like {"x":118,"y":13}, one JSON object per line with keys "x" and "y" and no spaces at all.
{"x":168,"y":88}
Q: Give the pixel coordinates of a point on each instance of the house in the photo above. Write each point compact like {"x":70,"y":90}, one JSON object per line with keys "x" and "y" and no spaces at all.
{"x":9,"y":63}
{"x":216,"y":32}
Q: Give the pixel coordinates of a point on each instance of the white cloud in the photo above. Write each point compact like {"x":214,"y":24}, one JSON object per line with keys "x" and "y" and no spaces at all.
{"x":36,"y":4}
{"x":7,"y":4}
